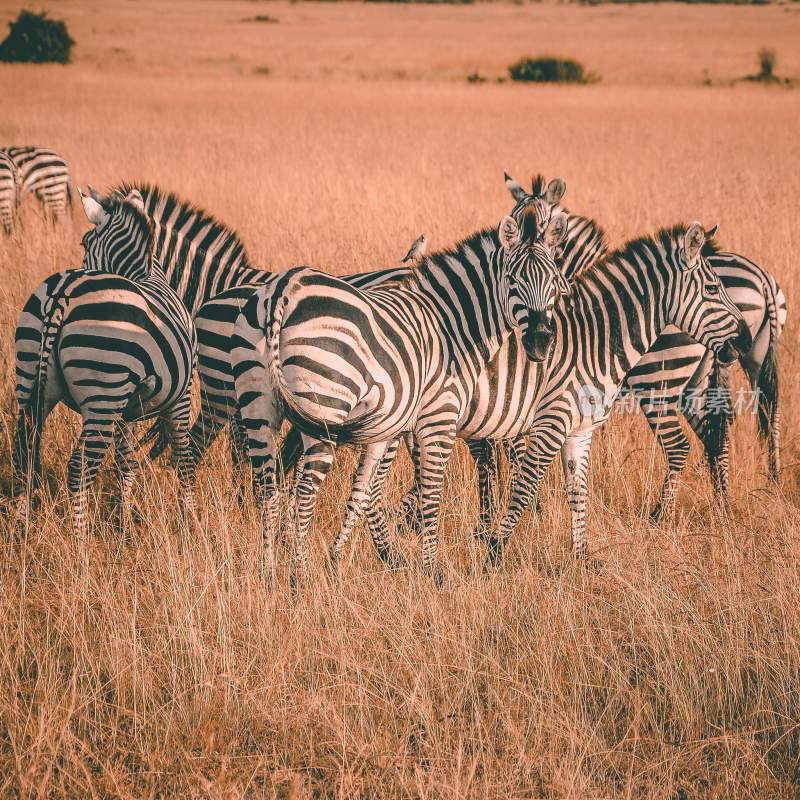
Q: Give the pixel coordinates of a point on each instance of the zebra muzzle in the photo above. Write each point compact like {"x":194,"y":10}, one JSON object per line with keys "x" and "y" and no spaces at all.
{"x":538,"y":337}
{"x":739,"y":345}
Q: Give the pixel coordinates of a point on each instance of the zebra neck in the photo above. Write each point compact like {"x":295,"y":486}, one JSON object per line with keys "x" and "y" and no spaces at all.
{"x":585,"y":246}
{"x":462,"y":287}
{"x":618,"y":310}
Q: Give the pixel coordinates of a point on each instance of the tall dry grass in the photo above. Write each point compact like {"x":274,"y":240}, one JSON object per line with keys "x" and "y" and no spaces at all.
{"x":166,"y":668}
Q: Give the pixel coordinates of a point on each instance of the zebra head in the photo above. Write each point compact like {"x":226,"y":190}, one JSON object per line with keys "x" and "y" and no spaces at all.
{"x":531,"y":282}
{"x":121,"y":240}
{"x":700,"y":306}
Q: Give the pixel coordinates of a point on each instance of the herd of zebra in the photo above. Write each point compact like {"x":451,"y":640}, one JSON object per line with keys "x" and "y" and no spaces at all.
{"x":517,"y":338}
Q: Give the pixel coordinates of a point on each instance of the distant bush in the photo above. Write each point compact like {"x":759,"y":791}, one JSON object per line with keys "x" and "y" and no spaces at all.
{"x":261,"y":18}
{"x":34,"y":38}
{"x":550,"y":70}
{"x":767,"y":58}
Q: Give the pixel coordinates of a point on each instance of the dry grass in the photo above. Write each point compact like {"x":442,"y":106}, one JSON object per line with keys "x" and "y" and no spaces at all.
{"x":168,"y":670}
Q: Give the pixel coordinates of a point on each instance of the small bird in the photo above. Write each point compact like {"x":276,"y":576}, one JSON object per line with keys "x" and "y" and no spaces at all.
{"x":417,"y":251}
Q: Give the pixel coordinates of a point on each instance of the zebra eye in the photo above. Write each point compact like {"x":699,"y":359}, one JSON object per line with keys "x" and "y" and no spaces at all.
{"x":712,"y":289}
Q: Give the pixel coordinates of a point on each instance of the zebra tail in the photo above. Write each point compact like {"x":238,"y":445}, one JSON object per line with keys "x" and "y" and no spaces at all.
{"x":719,"y":418}
{"x":768,"y":392}
{"x":50,"y":329}
{"x":279,"y":384}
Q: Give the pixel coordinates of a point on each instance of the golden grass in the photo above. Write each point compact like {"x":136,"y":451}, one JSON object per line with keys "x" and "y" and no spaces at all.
{"x":168,"y":670}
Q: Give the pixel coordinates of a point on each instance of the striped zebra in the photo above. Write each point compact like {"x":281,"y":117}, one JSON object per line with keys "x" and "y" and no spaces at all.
{"x":198,"y":255}
{"x":215,"y":321}
{"x":8,"y":193}
{"x":613,"y":315}
{"x":345,"y":365}
{"x":678,"y":376}
{"x":674,"y":369}
{"x":118,"y":346}
{"x":44,"y":173}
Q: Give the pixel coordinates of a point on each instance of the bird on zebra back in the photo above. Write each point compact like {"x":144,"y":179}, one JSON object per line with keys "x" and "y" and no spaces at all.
{"x":345,"y":365}
{"x":613,"y":314}
{"x":43,"y":173}
{"x":117,"y":346}
{"x":8,"y":193}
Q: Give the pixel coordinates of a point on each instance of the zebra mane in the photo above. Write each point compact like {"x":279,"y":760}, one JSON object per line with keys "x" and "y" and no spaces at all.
{"x":439,"y":259}
{"x":177,"y":214}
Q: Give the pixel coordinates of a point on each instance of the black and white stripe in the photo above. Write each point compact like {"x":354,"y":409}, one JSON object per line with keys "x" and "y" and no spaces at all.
{"x":117,"y":346}
{"x":8,"y":192}
{"x":45,"y":174}
{"x":344,"y":365}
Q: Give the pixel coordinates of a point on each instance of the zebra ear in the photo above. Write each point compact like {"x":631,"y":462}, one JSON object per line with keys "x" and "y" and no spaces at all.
{"x":134,"y":197}
{"x":555,"y":191}
{"x":99,"y":198}
{"x":517,"y":192}
{"x":712,"y":232}
{"x":95,"y":213}
{"x":693,"y":241}
{"x":509,"y":232}
{"x":556,"y":231}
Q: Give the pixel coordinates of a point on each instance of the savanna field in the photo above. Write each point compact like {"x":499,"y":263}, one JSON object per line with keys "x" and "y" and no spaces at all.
{"x":334,"y":137}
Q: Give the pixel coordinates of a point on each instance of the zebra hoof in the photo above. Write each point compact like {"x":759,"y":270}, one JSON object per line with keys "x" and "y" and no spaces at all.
{"x":657,"y":514}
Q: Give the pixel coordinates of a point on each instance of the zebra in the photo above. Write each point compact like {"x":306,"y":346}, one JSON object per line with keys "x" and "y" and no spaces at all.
{"x":614,"y":313}
{"x":675,"y":367}
{"x":215,"y":321}
{"x":198,"y":255}
{"x":8,"y":193}
{"x":118,"y":345}
{"x":42,"y":172}
{"x":345,"y":365}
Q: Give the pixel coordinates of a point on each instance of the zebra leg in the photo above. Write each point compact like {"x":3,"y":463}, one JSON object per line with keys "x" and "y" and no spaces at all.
{"x":177,"y":420}
{"x":124,"y":466}
{"x":484,"y":452}
{"x":575,"y":461}
{"x":26,"y":468}
{"x":370,"y":459}
{"x":666,"y":427}
{"x":95,"y":438}
{"x":407,"y":511}
{"x":435,"y":448}
{"x":376,"y":514}
{"x":541,"y":450}
{"x":237,"y":439}
{"x":316,"y":465}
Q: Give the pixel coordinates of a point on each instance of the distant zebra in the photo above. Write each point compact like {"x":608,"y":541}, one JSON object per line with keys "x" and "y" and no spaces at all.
{"x":8,"y":193}
{"x":118,"y":346}
{"x":614,"y":313}
{"x":44,"y":173}
{"x":345,"y":365}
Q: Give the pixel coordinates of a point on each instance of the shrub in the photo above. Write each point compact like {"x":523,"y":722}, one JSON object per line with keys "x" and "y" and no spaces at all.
{"x":34,"y":38}
{"x":550,"y":70}
{"x":767,"y":59}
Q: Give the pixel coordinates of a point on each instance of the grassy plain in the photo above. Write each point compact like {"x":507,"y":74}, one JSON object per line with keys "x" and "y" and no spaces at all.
{"x":170,"y":671}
